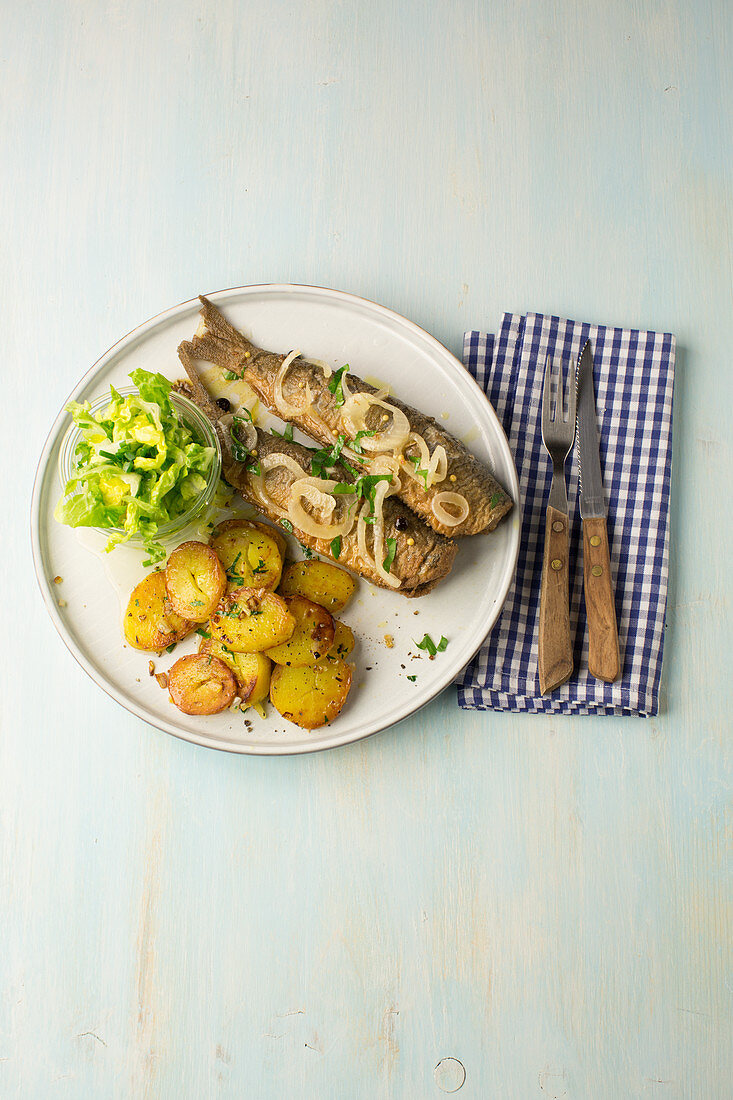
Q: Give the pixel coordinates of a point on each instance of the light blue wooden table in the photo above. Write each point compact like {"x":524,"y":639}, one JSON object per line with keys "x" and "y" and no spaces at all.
{"x":544,"y":900}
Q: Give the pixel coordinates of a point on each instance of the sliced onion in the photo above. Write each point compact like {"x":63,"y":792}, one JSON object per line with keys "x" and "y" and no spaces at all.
{"x":259,"y":486}
{"x":246,"y":431}
{"x":418,"y":441}
{"x":437,"y":467}
{"x":364,"y":554}
{"x":387,"y":464}
{"x":353,"y":417}
{"x":344,"y":387}
{"x":323,"y":503}
{"x":442,"y":515}
{"x":277,"y":458}
{"x":380,"y":494}
{"x":263,"y":498}
{"x":283,"y":406}
{"x":314,"y":489}
{"x":415,"y":440}
{"x":431,"y":469}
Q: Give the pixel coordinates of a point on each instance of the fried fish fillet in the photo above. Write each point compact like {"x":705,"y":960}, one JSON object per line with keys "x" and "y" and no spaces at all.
{"x":217,"y":341}
{"x":422,"y":557}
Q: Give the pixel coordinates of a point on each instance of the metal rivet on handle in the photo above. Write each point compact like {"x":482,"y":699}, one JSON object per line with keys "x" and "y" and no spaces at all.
{"x":558,"y":525}
{"x":597,"y":570}
{"x":556,"y":564}
{"x":595,"y":540}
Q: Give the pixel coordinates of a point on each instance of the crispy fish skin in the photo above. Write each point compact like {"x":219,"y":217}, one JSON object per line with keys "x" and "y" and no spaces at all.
{"x":422,"y":556}
{"x":219,"y":342}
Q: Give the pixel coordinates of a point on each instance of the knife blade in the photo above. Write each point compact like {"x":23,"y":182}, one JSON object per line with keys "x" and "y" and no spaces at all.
{"x":603,"y":655}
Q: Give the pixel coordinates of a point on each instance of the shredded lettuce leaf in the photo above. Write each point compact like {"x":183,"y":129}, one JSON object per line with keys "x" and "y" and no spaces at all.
{"x":137,"y":466}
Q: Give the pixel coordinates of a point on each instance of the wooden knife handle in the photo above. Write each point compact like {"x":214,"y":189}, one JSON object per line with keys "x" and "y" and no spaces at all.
{"x":555,"y":657}
{"x":603,"y":658}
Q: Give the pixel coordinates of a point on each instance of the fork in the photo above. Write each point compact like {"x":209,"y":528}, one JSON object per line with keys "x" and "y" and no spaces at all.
{"x":555,"y":656}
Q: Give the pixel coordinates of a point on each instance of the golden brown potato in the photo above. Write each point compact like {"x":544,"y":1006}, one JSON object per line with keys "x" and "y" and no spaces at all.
{"x":343,"y":640}
{"x":320,"y":582}
{"x":249,"y":552}
{"x":273,"y":533}
{"x":201,"y":684}
{"x":312,"y":638}
{"x":262,"y":667}
{"x":150,"y":621}
{"x":310,"y":696}
{"x":251,"y":670}
{"x":250,"y":620}
{"x":195,"y":580}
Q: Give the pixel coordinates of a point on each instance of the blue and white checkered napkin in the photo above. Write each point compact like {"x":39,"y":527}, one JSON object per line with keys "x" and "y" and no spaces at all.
{"x":634,"y":375}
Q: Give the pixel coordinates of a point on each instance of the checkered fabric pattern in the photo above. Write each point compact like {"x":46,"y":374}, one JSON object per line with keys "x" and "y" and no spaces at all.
{"x":634,"y":375}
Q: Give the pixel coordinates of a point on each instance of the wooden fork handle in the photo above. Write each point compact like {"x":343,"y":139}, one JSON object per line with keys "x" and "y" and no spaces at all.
{"x":603,"y":653}
{"x":555,"y":656}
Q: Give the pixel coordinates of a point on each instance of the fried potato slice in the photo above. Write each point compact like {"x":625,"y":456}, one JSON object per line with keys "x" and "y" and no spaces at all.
{"x":273,"y":533}
{"x":310,"y":696}
{"x":149,"y":621}
{"x":343,"y":640}
{"x":312,"y":638}
{"x":201,"y":684}
{"x":251,"y":670}
{"x":250,"y":620}
{"x":195,"y":580}
{"x":250,"y":553}
{"x":319,"y":581}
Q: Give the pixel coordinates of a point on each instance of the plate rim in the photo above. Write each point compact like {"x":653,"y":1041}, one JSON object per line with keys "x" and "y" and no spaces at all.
{"x":266,"y":748}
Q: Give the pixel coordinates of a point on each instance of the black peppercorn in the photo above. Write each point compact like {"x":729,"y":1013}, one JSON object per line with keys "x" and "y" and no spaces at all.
{"x":223,"y":404}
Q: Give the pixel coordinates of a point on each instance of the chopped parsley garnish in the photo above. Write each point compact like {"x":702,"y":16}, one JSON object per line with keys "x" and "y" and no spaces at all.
{"x":363,"y":488}
{"x":420,"y":473}
{"x":306,"y":550}
{"x":254,"y":468}
{"x":203,"y":633}
{"x":336,"y":546}
{"x":327,"y":457}
{"x":431,"y":648}
{"x":335,"y":386}
{"x":287,"y":435}
{"x":356,"y":445}
{"x":240,"y":452}
{"x":233,"y":577}
{"x":496,"y":498}
{"x":231,"y":376}
{"x":261,"y":567}
{"x":412,"y":678}
{"x":391,"y":550}
{"x":171,"y":647}
{"x":287,"y":525}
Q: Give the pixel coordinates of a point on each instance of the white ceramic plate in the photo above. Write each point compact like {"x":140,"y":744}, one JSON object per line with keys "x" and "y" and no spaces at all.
{"x":378,"y":344}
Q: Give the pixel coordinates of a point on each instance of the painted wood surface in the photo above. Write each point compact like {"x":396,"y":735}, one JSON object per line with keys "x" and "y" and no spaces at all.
{"x":545,"y":900}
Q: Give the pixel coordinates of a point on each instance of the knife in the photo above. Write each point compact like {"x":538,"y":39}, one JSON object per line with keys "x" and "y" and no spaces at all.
{"x":603,"y":658}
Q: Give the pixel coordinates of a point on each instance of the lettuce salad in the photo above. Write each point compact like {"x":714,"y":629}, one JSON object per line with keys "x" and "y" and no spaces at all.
{"x":137,"y":465}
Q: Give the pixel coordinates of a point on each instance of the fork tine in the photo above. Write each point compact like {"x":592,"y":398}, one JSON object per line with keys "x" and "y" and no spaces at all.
{"x":571,"y":394}
{"x":546,"y":392}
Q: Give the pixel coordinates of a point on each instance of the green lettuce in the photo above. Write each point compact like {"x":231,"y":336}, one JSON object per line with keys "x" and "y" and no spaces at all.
{"x":137,"y":465}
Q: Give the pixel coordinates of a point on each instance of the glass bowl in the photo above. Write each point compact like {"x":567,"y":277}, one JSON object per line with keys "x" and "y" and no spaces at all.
{"x":203,"y":433}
